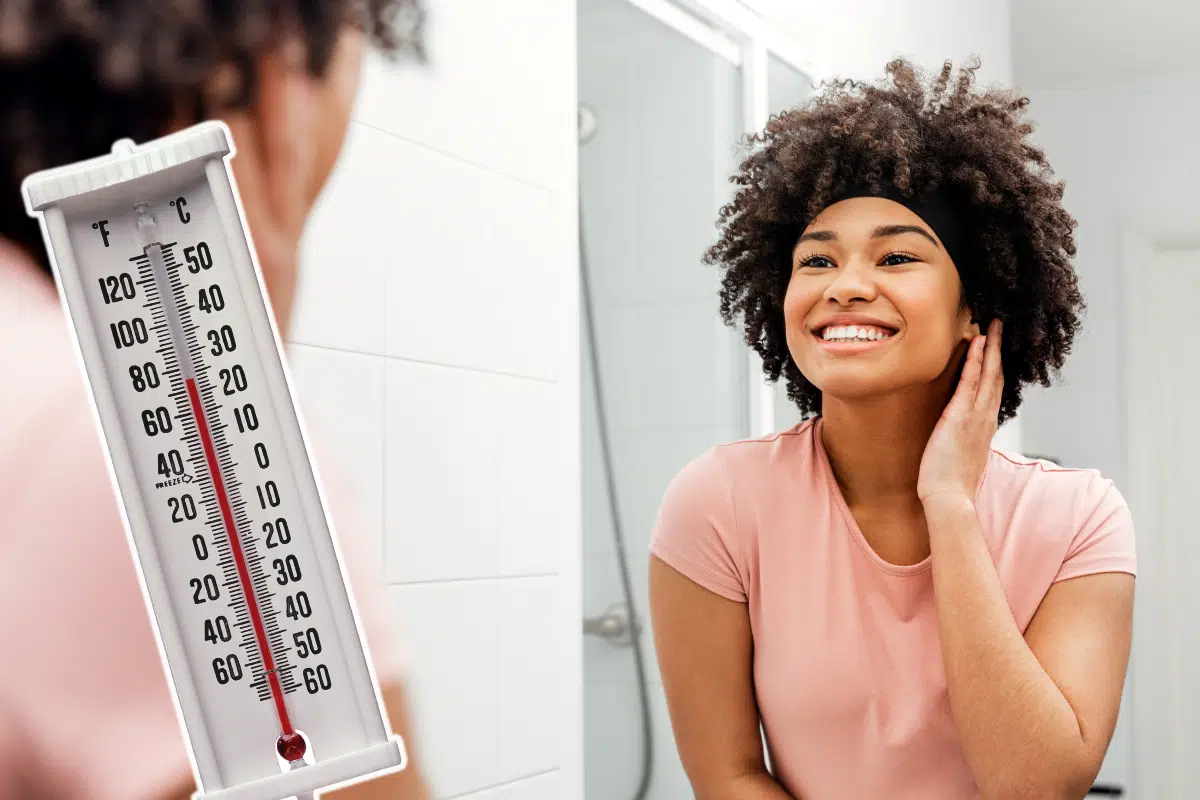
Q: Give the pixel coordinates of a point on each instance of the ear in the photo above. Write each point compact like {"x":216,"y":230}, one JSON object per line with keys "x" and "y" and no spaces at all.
{"x":334,"y":94}
{"x":969,"y":324}
{"x":274,"y":139}
{"x":282,"y":124}
{"x":273,"y":167}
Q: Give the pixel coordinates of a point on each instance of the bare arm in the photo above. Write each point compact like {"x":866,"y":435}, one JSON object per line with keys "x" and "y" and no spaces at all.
{"x":1035,"y":714}
{"x":704,"y":651}
{"x":406,"y":785}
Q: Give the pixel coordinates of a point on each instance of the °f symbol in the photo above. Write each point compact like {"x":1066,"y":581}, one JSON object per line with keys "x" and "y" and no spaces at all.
{"x":99,"y":226}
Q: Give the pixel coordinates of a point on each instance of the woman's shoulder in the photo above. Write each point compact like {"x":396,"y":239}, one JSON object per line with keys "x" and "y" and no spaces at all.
{"x":1016,"y":474}
{"x":36,"y":351}
{"x":1068,"y":521}
{"x":759,"y":457}
{"x":726,"y":468}
{"x":1063,"y":498}
{"x":740,"y":473}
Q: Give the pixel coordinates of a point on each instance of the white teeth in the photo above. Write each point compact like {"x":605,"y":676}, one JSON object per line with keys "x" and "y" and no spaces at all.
{"x":854,"y":333}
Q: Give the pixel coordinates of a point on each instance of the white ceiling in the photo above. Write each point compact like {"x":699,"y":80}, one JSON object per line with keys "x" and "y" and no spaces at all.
{"x":1073,"y":41}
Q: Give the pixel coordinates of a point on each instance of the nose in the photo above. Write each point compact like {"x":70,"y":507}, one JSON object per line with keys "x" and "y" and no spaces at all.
{"x":851,"y":282}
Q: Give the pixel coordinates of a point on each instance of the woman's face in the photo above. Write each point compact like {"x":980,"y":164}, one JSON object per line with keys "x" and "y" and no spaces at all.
{"x":874,"y":302}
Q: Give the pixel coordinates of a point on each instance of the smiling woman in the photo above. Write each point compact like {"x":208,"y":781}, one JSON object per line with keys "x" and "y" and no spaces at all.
{"x":910,"y":311}
{"x":906,"y":612}
{"x":960,"y":161}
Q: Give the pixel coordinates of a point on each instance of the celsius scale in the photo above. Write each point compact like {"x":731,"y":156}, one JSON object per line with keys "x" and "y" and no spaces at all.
{"x":254,"y":621}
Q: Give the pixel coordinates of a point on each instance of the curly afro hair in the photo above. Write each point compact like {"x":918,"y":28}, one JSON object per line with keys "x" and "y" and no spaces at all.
{"x":77,"y":76}
{"x":918,"y":136}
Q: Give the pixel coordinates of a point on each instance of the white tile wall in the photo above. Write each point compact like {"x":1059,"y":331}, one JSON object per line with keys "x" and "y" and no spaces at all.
{"x":341,"y":398}
{"x":668,"y":364}
{"x":547,"y":786}
{"x":347,"y":252}
{"x":486,"y":294}
{"x":493,"y":94}
{"x":470,"y":459}
{"x":485,"y":677}
{"x":435,"y":351}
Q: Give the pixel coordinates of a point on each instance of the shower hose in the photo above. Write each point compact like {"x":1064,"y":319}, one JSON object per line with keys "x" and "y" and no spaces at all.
{"x":615,"y":513}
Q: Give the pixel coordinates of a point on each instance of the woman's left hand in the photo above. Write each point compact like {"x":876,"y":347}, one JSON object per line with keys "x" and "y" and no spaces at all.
{"x":958,"y":448}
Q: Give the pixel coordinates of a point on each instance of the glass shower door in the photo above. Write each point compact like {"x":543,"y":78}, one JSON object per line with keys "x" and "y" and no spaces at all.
{"x":661,"y":114}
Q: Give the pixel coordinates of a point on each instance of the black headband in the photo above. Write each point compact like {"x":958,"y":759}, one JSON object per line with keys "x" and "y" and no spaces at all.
{"x":939,"y":212}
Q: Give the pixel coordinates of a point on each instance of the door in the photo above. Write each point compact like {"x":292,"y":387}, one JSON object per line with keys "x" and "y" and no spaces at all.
{"x":1162,"y":709}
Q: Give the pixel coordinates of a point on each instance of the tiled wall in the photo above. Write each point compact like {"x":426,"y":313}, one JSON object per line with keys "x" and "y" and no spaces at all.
{"x":435,"y":349}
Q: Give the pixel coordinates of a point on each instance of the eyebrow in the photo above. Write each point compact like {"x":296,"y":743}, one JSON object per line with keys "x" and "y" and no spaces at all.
{"x":881,"y":232}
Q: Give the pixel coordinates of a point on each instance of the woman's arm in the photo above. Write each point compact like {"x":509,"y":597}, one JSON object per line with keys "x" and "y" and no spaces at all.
{"x":1035,"y":715}
{"x":704,"y":652}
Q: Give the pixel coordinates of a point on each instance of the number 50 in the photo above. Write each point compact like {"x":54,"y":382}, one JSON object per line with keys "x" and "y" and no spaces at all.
{"x":198,"y":257}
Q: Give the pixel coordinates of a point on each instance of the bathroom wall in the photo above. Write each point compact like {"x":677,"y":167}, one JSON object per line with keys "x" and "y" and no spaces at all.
{"x":1126,"y":150}
{"x":1125,"y":146}
{"x":435,"y":348}
{"x":855,"y":39}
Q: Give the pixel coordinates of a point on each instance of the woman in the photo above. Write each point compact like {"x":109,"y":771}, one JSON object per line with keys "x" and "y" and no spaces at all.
{"x":907,"y":613}
{"x":85,"y":711}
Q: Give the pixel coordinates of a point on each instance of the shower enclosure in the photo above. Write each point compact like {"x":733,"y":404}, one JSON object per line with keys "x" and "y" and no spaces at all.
{"x":666,"y":90}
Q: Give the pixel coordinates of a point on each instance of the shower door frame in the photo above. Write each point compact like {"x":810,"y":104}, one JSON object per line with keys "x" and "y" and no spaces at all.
{"x":742,"y":37}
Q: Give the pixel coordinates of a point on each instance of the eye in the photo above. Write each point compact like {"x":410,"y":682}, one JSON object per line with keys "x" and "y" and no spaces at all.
{"x":907,"y":257}
{"x":813,"y":261}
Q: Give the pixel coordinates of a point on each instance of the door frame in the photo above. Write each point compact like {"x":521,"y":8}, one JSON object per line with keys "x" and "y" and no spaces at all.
{"x":1137,"y":238}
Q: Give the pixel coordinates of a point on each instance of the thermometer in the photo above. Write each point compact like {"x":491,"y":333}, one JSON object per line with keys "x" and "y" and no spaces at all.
{"x":227,"y":522}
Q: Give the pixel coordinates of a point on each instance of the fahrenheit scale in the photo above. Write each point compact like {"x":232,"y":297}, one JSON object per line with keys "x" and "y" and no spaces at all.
{"x":228,"y":524}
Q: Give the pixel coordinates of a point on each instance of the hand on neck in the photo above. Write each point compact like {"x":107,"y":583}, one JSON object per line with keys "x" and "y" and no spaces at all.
{"x":875,"y":445}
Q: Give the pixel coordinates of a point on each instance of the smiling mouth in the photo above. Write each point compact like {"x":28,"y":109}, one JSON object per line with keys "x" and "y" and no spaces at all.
{"x":835,"y":334}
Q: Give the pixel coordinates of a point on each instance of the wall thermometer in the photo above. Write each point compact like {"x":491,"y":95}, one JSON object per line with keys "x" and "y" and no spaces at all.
{"x":228,"y":525}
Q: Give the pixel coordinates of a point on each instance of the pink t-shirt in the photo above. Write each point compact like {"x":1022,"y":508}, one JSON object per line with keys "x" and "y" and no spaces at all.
{"x":85,"y":711}
{"x":847,"y":665}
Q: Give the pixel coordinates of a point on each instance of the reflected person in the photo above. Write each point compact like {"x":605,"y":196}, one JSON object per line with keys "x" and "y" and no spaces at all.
{"x":907,"y":612}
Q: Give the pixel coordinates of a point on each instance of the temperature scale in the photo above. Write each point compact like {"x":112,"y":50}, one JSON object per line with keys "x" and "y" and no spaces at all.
{"x":229,"y":527}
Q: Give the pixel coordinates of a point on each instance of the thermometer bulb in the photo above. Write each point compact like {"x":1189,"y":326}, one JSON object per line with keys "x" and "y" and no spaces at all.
{"x":291,"y":746}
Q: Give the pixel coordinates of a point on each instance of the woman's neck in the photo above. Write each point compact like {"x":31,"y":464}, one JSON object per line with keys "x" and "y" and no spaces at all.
{"x":875,"y":446}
